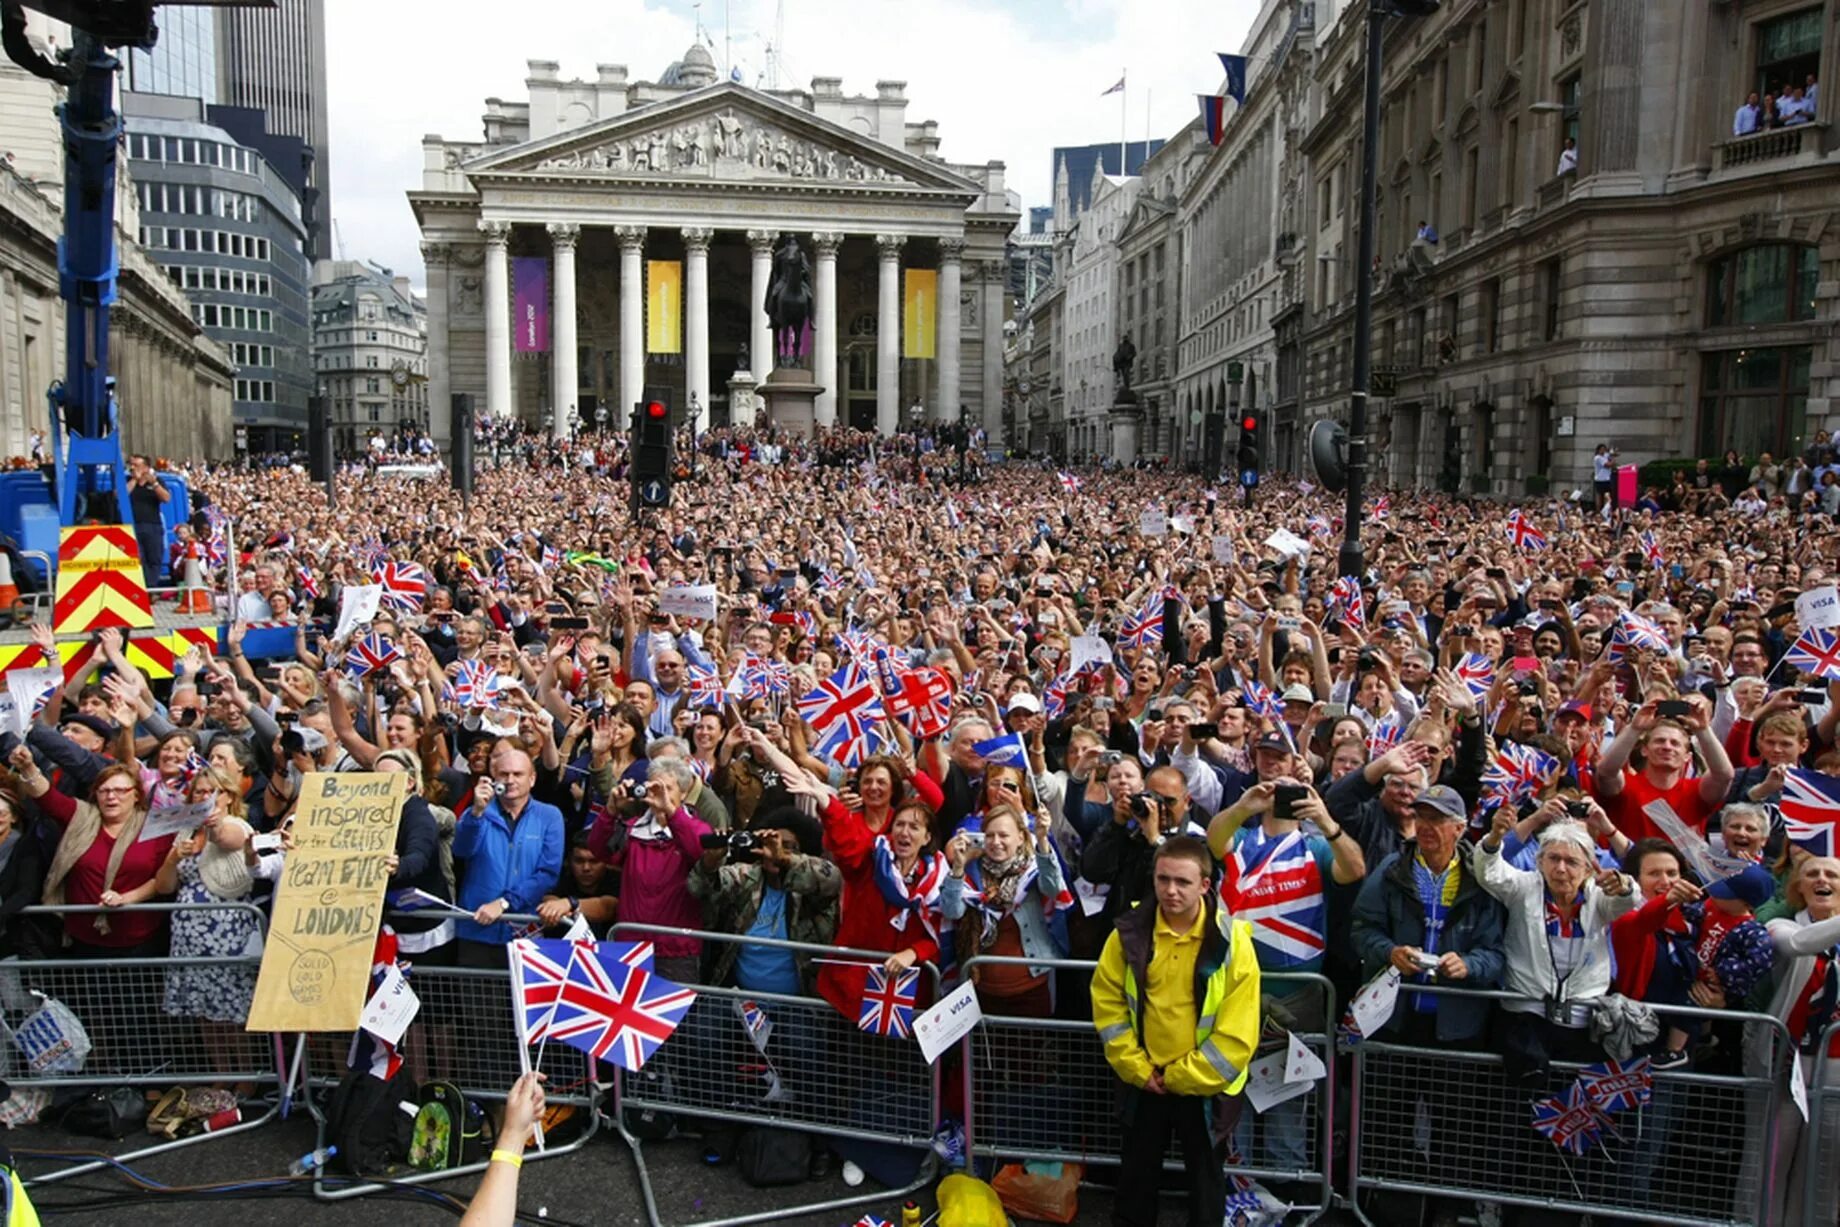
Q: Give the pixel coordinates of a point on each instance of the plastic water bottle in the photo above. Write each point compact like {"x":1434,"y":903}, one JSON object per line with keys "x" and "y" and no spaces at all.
{"x":910,"y":1215}
{"x":310,"y":1163}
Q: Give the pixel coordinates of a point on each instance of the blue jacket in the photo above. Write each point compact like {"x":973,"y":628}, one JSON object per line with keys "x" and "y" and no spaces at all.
{"x":516,"y":863}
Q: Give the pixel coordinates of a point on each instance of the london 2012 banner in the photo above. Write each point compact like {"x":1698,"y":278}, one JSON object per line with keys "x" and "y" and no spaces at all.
{"x":664,"y":307}
{"x":530,"y":303}
{"x":920,"y":313}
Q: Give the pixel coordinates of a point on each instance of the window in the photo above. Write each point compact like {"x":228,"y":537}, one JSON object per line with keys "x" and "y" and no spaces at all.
{"x":1788,"y":50}
{"x":1770,"y":284}
{"x":373,"y":384}
{"x":1552,"y":279}
{"x":1491,"y":315}
{"x":1472,"y":184}
{"x":1478,"y":54}
{"x":1571,"y":103}
{"x":1511,"y":158}
{"x":1754,"y":400}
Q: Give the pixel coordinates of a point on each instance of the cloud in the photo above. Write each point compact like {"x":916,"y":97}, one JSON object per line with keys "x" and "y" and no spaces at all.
{"x":1007,"y":81}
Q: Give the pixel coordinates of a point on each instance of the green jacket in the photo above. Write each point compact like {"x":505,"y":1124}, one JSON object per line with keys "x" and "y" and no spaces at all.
{"x":731,"y":899}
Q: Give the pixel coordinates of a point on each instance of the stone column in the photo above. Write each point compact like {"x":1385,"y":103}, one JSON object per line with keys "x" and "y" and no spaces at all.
{"x":760,"y":329}
{"x":564,"y":377}
{"x":632,"y":321}
{"x":888,"y":335}
{"x":951,"y":257}
{"x":498,"y":317}
{"x":824,"y":328}
{"x":696,"y":322}
{"x":991,"y":318}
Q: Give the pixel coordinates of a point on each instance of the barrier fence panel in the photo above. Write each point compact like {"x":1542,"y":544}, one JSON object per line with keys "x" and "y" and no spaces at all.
{"x":1040,"y":1089}
{"x":1819,"y":1155}
{"x":1449,"y":1122}
{"x":140,"y":1020}
{"x":815,"y":1071}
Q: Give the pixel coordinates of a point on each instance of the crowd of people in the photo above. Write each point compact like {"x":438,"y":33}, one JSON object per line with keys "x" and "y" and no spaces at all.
{"x":1540,"y":748}
{"x":1784,"y":105}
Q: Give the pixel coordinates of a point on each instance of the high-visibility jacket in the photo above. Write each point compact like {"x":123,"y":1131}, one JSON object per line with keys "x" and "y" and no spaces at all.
{"x":1225,"y":993}
{"x":19,"y":1210}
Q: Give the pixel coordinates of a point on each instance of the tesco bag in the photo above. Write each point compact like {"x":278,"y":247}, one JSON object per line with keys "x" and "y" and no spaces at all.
{"x":1049,"y":1192}
{"x":51,"y":1039}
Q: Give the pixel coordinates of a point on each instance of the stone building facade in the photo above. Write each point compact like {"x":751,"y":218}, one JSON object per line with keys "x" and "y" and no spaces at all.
{"x":370,"y":351}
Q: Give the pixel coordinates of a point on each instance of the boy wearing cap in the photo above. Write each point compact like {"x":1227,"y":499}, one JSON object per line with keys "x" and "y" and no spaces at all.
{"x":1698,"y":947}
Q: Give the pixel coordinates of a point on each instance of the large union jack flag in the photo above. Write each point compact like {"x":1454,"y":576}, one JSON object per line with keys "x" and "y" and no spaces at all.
{"x":471,"y":685}
{"x":704,"y":686}
{"x":1476,"y":672}
{"x":921,"y":699}
{"x":1523,"y":533}
{"x":1145,"y":628}
{"x":1345,"y":595}
{"x":1275,"y":884}
{"x":404,"y":584}
{"x":842,"y":709}
{"x":594,"y":1000}
{"x":369,"y":653}
{"x":888,"y":1006}
{"x":1816,"y":652}
{"x":1518,"y":771}
{"x":1810,"y":804}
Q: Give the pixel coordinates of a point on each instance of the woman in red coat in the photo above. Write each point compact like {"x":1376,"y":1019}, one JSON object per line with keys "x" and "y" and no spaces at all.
{"x":891,"y":886}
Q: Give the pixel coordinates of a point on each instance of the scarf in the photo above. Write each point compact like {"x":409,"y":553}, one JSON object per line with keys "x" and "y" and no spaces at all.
{"x":918,"y":897}
{"x":226,"y":874}
{"x":85,"y":826}
{"x":992,"y":887}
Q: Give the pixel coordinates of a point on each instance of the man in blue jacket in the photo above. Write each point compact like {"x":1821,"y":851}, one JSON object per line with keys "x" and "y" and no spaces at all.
{"x":509,"y":850}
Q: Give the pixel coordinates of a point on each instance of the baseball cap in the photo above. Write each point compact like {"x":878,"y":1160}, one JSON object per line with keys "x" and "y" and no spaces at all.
{"x":1444,"y":799}
{"x":95,"y":724}
{"x":1751,"y":885}
{"x":1022,"y":700}
{"x":1297,"y":692}
{"x":1273,"y":741}
{"x":1574,"y":708}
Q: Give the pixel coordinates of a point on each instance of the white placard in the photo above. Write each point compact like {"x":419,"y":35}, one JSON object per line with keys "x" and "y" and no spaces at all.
{"x":1224,"y":553}
{"x":1091,"y":895}
{"x":1089,"y":648}
{"x":1153,"y":523}
{"x":1288,"y":543}
{"x":175,"y":820}
{"x":1819,"y":608}
{"x":1301,"y":1064}
{"x":391,"y":1008}
{"x":1798,"y":1089}
{"x":24,"y":688}
{"x":948,"y":1022}
{"x":1183,"y":524}
{"x":358,"y":604}
{"x":1265,"y":1084}
{"x":1373,"y":1005}
{"x":689,"y":601}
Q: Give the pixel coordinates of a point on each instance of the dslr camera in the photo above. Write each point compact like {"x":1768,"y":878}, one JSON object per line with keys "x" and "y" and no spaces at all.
{"x":1143,"y":802}
{"x":741,"y":845}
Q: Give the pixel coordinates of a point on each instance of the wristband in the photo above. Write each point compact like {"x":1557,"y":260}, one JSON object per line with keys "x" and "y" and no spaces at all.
{"x":508,"y":1156}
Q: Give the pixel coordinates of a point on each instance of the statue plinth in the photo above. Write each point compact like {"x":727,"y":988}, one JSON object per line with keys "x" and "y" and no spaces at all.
{"x":1125,"y":418}
{"x":742,"y":398}
{"x":792,"y":401}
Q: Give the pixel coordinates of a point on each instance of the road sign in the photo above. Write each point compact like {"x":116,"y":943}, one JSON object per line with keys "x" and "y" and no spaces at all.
{"x":654,"y":493}
{"x":1384,"y":383}
{"x":1236,"y":372}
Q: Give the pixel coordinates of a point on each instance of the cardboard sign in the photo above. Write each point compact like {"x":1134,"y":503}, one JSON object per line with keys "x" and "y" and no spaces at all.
{"x":1819,"y":608}
{"x":1153,"y":523}
{"x":358,"y":604}
{"x":316,"y":970}
{"x":948,"y":1022}
{"x":1288,"y":543}
{"x":175,"y":820}
{"x":1265,"y":1084}
{"x":689,"y":601}
{"x":1224,"y":553}
{"x":391,"y":1008}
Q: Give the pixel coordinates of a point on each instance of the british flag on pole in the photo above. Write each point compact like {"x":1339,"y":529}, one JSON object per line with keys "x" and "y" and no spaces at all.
{"x":1810,"y":805}
{"x":592,"y":1000}
{"x":1816,"y":652}
{"x":888,"y":1005}
{"x":1523,"y":533}
{"x":369,"y":653}
{"x":843,"y":709}
{"x":404,"y":584}
{"x":1476,"y":672}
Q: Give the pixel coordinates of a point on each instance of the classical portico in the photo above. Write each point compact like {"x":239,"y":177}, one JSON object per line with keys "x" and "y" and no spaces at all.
{"x":701,"y":183}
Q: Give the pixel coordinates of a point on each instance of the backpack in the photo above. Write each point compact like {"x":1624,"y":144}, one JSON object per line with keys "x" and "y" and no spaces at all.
{"x":449,"y":1130}
{"x":371,"y":1122}
{"x":770,"y":1157}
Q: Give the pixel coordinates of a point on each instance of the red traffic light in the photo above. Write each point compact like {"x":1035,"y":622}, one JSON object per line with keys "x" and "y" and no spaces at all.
{"x":1249,"y":422}
{"x":656,"y":409}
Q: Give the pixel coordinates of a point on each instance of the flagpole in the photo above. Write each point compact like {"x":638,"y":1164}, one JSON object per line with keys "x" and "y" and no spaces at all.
{"x":1124,"y":110}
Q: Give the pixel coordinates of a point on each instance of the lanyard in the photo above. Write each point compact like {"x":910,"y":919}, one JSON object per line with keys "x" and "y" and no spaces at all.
{"x":1552,"y":952}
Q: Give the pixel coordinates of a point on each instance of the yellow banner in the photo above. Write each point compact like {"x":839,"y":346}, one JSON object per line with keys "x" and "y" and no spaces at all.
{"x":921,"y":312}
{"x":664,"y":307}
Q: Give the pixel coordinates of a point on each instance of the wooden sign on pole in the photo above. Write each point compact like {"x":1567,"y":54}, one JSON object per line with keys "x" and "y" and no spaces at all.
{"x":316,"y":966}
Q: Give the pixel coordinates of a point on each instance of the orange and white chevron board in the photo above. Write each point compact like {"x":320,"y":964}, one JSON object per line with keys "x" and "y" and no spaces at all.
{"x":99,"y":581}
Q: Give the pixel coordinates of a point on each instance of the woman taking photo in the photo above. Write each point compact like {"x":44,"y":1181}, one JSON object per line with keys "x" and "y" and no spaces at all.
{"x":101,"y":859}
{"x":22,"y":874}
{"x":1008,"y":901}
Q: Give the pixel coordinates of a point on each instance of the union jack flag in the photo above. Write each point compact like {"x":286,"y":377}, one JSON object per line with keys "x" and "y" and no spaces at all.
{"x":592,"y":1000}
{"x":471,"y":685}
{"x":888,"y":1007}
{"x":1262,"y":700}
{"x":760,"y":677}
{"x":1617,"y":1085}
{"x":1571,"y":1123}
{"x":1816,"y":652}
{"x":1810,"y":804}
{"x":1345,"y":594}
{"x":869,"y":1220}
{"x":704,"y":686}
{"x":404,"y":584}
{"x":920,"y":699}
{"x":369,"y":653}
{"x":1385,"y":735}
{"x":216,"y":549}
{"x":550,"y":558}
{"x":858,"y":645}
{"x":309,"y":583}
{"x":1477,"y":672}
{"x":842,"y":709}
{"x":1069,"y":482}
{"x":828,"y":579}
{"x":1523,"y":534}
{"x":1317,"y":526}
{"x":1519,"y":771}
{"x":1143,"y":629}
{"x":1275,"y":884}
{"x":1382,"y":506}
{"x":1651,"y":550}
{"x":380,"y":1057}
{"x":1633,"y":632}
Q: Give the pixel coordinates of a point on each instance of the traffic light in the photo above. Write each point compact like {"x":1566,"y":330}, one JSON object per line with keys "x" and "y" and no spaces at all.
{"x":1251,"y":448}
{"x":1414,"y":8}
{"x":651,"y":466}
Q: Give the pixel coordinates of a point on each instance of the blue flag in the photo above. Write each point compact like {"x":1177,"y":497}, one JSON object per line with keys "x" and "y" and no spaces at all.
{"x":1004,"y":751}
{"x":1236,"y":76}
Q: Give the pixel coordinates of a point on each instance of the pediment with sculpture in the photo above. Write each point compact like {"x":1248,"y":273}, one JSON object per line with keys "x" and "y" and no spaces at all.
{"x":723,"y":145}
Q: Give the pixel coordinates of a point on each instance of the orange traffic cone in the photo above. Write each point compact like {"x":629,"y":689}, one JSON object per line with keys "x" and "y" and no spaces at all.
{"x":195,"y":598}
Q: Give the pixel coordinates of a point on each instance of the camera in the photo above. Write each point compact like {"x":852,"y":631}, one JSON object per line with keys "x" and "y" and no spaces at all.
{"x":1109,"y":758}
{"x":741,"y":845}
{"x":1424,"y":961}
{"x":1284,"y":800}
{"x":1527,"y":689}
{"x":629,"y":790}
{"x":292,"y":743}
{"x":1577,"y":809}
{"x":975,"y":839}
{"x":1202,"y":732}
{"x":1141,"y":803}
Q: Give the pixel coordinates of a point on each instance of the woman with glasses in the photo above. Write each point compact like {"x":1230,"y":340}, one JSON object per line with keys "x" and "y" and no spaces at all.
{"x":101,"y":860}
{"x":1004,"y":897}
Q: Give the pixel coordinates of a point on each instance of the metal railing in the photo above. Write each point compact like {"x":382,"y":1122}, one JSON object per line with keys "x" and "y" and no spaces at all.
{"x":816,"y":1072}
{"x":1818,"y":1156}
{"x":1446,"y":1122}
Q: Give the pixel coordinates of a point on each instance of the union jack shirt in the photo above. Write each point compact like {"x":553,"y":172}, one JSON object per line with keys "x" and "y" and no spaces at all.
{"x":1276,"y":883}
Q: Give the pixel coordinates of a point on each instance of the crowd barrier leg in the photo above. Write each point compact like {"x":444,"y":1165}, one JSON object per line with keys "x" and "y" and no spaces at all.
{"x":133,"y":1013}
{"x":1819,"y":1154}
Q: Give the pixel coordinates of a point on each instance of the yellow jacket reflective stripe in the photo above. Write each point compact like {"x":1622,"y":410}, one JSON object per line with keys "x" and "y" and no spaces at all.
{"x":19,"y":1211}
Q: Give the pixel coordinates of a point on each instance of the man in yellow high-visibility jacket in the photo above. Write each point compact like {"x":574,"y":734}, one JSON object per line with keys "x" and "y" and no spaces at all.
{"x":1176,"y":1001}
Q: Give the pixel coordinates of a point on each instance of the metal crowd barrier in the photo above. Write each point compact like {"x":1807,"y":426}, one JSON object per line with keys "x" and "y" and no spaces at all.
{"x":1818,"y":1156}
{"x":831,"y":1078}
{"x":1447,"y":1122}
{"x":465,"y":1033}
{"x":125,"y":1007}
{"x":1040,"y":1089}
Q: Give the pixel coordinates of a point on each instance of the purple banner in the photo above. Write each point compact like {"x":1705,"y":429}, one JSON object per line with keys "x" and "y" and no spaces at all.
{"x":530,"y":304}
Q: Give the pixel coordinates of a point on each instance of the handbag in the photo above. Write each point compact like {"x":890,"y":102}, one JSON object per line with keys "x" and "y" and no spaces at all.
{"x":112,"y":1113}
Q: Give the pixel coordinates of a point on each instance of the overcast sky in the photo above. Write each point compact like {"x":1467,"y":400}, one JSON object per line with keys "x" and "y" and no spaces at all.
{"x":1006,"y":79}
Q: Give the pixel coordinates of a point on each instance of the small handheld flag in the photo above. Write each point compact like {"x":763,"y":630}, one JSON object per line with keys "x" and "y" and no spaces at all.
{"x":1004,"y":751}
{"x":888,"y":1006}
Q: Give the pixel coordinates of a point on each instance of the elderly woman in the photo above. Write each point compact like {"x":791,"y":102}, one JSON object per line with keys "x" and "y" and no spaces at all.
{"x":1009,"y":901}
{"x":101,"y":859}
{"x":653,"y":845}
{"x":1558,"y":942}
